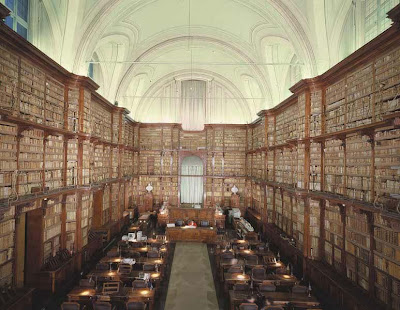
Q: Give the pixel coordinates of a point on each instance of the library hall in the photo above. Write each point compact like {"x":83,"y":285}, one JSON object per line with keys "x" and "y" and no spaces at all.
{"x":200,"y":154}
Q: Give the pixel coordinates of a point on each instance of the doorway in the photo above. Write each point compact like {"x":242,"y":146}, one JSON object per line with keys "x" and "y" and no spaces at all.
{"x":192,"y":180}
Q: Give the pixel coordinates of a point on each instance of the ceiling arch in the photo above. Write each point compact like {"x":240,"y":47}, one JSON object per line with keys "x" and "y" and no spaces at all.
{"x":146,"y":106}
{"x":151,"y":39}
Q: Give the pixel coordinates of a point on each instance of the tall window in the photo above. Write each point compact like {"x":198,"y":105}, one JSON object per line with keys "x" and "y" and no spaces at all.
{"x":375,"y":17}
{"x":19,"y":16}
{"x":91,"y":71}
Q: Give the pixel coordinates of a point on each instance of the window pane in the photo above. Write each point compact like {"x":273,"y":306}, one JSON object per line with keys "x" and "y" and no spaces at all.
{"x":90,"y":71}
{"x":23,"y":9}
{"x":22,"y":31}
{"x":10,"y":4}
{"x":9,"y":21}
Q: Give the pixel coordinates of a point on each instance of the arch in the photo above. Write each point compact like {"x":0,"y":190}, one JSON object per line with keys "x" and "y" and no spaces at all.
{"x":144,"y":107}
{"x":164,"y":44}
{"x":338,"y":30}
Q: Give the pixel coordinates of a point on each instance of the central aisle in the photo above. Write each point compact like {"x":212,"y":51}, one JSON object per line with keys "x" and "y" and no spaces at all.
{"x":191,"y":284}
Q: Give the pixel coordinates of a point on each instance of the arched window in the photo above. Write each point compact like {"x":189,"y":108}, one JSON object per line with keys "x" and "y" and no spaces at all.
{"x":91,"y":70}
{"x":375,"y":17}
{"x":18,"y":20}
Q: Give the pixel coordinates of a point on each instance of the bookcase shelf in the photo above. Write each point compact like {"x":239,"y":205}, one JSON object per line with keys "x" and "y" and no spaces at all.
{"x":100,"y":121}
{"x":106,"y":211}
{"x":7,"y":244}
{"x":30,"y":161}
{"x":357,"y":248}
{"x":8,"y":80}
{"x":334,"y":160}
{"x":8,"y":163}
{"x":115,"y":162}
{"x":358,"y":167}
{"x":32,"y":84}
{"x":71,"y":207}
{"x":387,"y":80}
{"x":86,"y":216}
{"x":115,"y":208}
{"x":301,"y":157}
{"x":316,"y":113}
{"x":51,"y":228}
{"x":73,"y":109}
{"x":270,"y":203}
{"x":315,"y":228}
{"x":315,"y":167}
{"x":53,"y":164}
{"x":278,"y":210}
{"x":334,"y":238}
{"x":299,"y":233}
{"x":54,"y":112}
{"x":72,"y":162}
{"x":234,"y":140}
{"x":387,"y":161}
{"x":335,"y":106}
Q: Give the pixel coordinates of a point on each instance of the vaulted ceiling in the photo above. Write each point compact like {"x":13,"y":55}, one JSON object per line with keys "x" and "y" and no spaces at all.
{"x":249,"y":51}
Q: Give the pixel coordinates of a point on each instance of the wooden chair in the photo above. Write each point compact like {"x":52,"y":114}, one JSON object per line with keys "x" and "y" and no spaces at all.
{"x":267,"y":286}
{"x":110,"y":288}
{"x":227,"y":255}
{"x":269,"y":260}
{"x":135,"y":255}
{"x":161,"y":238}
{"x":248,"y":306}
{"x":113,"y":253}
{"x":86,"y":283}
{"x":135,"y":305}
{"x":124,"y":268}
{"x":241,"y":287}
{"x":299,"y":289}
{"x":102,"y":266}
{"x":235,"y":269}
{"x":281,"y":270}
{"x":139,"y":284}
{"x":153,"y":254}
{"x":258,"y":274}
{"x":101,"y":305}
{"x":70,"y":306}
{"x":251,"y":260}
{"x":149,"y":267}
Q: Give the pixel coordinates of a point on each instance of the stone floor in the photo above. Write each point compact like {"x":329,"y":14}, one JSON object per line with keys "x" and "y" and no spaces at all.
{"x":191,"y":284}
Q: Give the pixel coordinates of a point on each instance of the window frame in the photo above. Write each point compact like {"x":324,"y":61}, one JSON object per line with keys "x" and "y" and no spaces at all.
{"x":17,"y":19}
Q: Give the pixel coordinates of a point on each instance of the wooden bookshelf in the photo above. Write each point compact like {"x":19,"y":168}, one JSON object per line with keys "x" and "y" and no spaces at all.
{"x":30,"y":162}
{"x":54,"y":103}
{"x":8,"y":163}
{"x":71,"y":208}
{"x":334,"y":166}
{"x":7,"y":247}
{"x":9,"y":70}
{"x":53,"y":162}
{"x":334,"y":236}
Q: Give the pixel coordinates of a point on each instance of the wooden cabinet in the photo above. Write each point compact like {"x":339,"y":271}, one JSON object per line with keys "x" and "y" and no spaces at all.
{"x":206,"y":235}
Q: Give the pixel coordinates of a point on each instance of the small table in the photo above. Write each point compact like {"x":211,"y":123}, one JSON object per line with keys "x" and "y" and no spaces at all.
{"x":282,"y":280}
{"x":116,"y":276}
{"x":147,"y":260}
{"x":84,"y":294}
{"x":233,"y":278}
{"x":244,"y":253}
{"x":226,"y":263}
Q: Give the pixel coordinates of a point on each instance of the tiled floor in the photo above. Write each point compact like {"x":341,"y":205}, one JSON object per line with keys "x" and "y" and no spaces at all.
{"x":191,"y":285}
